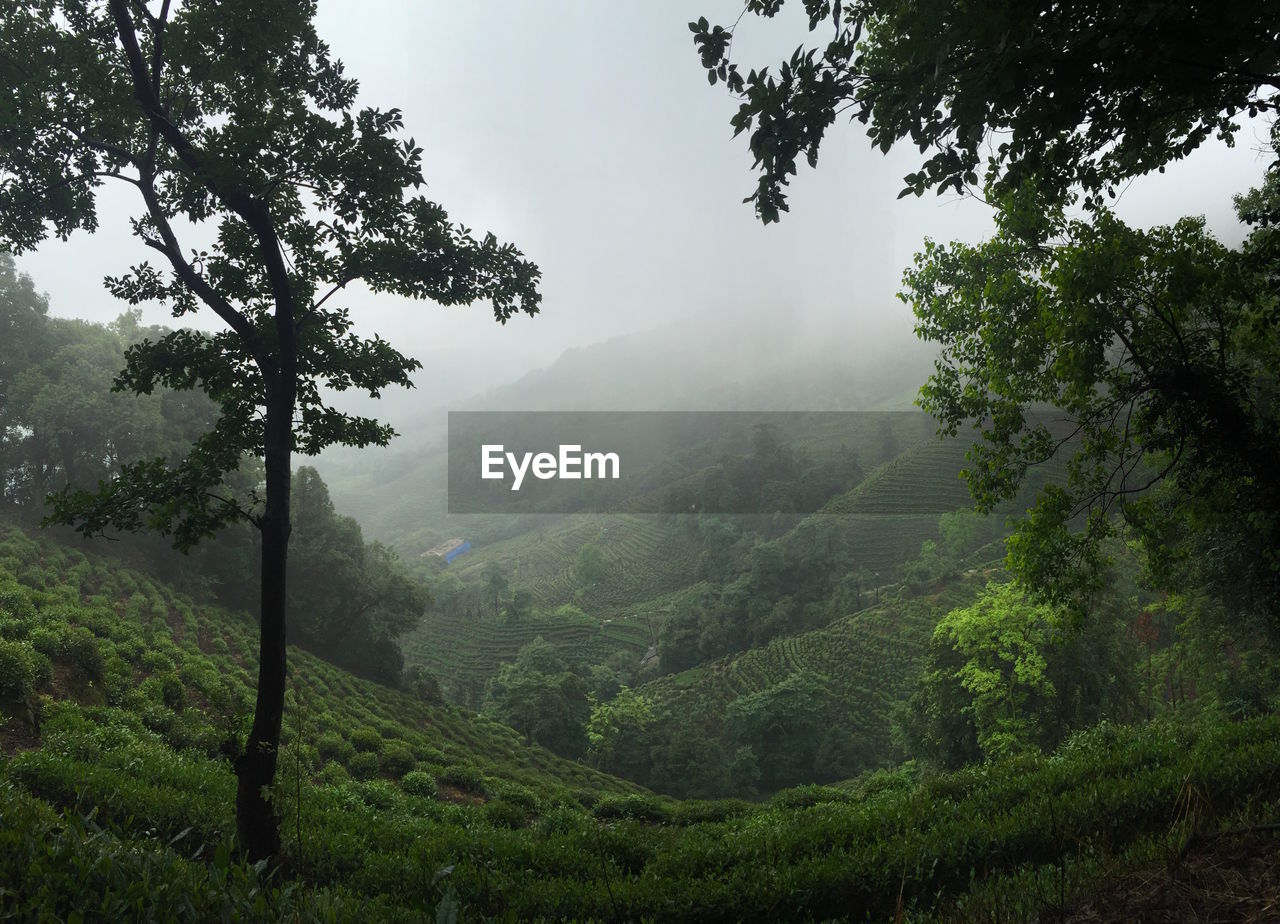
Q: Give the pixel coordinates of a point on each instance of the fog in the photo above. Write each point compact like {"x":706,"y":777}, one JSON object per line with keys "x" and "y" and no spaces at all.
{"x":587,"y":135}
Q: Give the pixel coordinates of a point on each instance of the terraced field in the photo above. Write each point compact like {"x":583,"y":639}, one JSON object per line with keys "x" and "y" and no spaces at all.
{"x":924,"y":480}
{"x":872,"y":658}
{"x":884,"y":543}
{"x":464,"y":653}
{"x":644,"y":557}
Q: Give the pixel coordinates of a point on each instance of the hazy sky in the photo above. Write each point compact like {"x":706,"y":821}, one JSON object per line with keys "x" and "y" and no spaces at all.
{"x":586,"y":133}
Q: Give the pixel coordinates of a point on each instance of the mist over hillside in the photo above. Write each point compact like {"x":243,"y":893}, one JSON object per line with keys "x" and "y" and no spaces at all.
{"x":761,"y":364}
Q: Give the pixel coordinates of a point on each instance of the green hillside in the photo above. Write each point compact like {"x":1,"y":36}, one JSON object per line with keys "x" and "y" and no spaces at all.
{"x":465,"y":652}
{"x":121,"y":699}
{"x":649,"y":562}
{"x":122,"y":647}
{"x":925,"y":479}
{"x":643,"y":555}
{"x":871,"y":659}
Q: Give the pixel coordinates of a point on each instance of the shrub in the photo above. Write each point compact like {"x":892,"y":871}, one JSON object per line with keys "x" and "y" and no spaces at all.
{"x":419,"y":783}
{"x":464,"y":777}
{"x":700,"y":811}
{"x":378,"y":794}
{"x":157,"y":718}
{"x":563,"y":818}
{"x":117,"y":681}
{"x":332,"y":746}
{"x":15,"y":602}
{"x":639,"y":808}
{"x":517,"y":795}
{"x":364,"y":765}
{"x":153,"y":660}
{"x":432,"y":755}
{"x":805,"y":796}
{"x":191,"y":729}
{"x":17,"y":670}
{"x":83,"y":652}
{"x":172,"y":692}
{"x":367,"y":740}
{"x":332,"y":774}
{"x":397,"y":759}
{"x":50,"y":641}
{"x":43,"y":669}
{"x":503,"y":814}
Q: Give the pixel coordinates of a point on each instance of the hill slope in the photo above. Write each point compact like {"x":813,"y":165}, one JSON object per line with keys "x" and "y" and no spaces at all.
{"x":116,"y":802}
{"x":115,"y":642}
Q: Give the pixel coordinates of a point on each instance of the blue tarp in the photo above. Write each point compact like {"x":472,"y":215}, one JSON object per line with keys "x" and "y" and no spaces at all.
{"x":454,"y":553}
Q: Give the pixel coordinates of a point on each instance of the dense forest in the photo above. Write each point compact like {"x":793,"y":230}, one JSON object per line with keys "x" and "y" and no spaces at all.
{"x":981,"y":632}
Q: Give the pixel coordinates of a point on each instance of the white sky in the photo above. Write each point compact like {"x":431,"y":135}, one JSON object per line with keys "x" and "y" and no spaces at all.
{"x":586,"y":134}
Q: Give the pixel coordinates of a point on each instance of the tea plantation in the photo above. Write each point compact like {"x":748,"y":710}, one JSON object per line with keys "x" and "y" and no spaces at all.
{"x":121,"y":699}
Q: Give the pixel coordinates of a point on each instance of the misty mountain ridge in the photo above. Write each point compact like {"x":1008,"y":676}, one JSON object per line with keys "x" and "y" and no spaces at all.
{"x":704,"y":364}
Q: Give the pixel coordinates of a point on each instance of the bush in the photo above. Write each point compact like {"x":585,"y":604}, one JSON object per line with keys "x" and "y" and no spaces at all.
{"x":419,"y":783}
{"x":377,"y":794}
{"x":157,"y":718}
{"x":117,"y":680}
{"x":83,"y":652}
{"x":517,"y":795}
{"x":364,"y":765}
{"x":43,"y":669}
{"x":464,"y":777}
{"x":432,"y":755}
{"x":332,"y":746}
{"x":333,"y":774}
{"x":15,"y":602}
{"x":367,"y":740}
{"x":190,"y":729}
{"x":700,"y":811}
{"x":805,"y":796}
{"x":156,"y":661}
{"x":563,"y":818}
{"x":639,"y":808}
{"x":397,"y":759}
{"x":50,"y":641}
{"x":172,"y":693}
{"x":503,"y":814}
{"x":17,"y":670}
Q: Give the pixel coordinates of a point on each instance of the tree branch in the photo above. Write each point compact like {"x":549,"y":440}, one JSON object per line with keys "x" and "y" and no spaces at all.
{"x":169,"y":246}
{"x":253,"y":212}
{"x":70,"y":181}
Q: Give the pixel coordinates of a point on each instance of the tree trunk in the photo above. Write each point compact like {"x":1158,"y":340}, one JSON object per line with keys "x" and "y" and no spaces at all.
{"x":257,"y":826}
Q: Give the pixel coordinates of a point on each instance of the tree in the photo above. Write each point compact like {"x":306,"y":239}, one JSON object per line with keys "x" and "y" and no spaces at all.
{"x":1061,"y":95}
{"x":496,"y":584}
{"x":785,"y":726}
{"x":237,"y":130}
{"x":1002,"y":641}
{"x":1155,"y":351}
{"x":23,"y":342}
{"x":589,"y":567}
{"x":60,"y":420}
{"x":616,"y":732}
{"x":1159,"y":350}
{"x":539,"y":697}
{"x":1009,"y":674}
{"x":349,"y":601}
{"x":521,"y":605}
